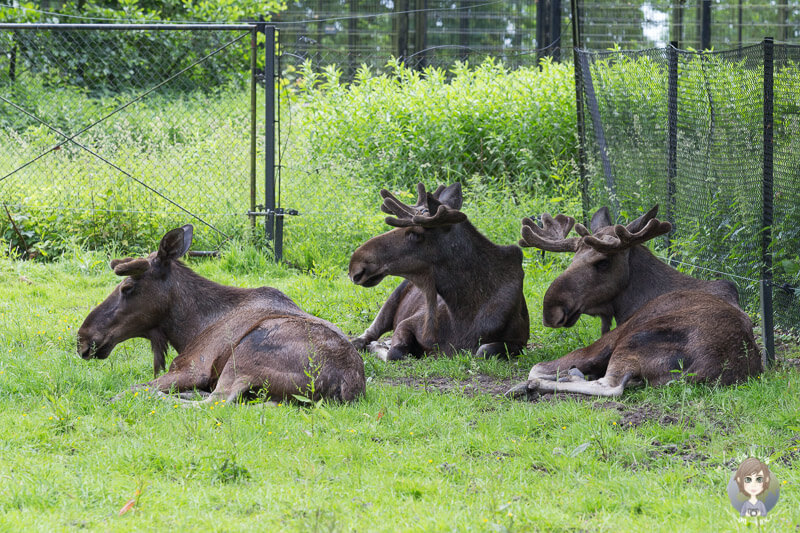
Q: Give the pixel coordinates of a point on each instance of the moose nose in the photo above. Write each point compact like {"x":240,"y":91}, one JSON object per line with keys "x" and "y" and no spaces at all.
{"x":85,"y":348}
{"x":357,"y":276}
{"x":555,"y":317}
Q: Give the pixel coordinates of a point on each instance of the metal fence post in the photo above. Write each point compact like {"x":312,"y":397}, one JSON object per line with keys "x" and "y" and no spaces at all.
{"x":705,"y":25}
{"x":555,"y":29}
{"x":579,"y":112}
{"x":767,"y":318}
{"x":672,"y":132}
{"x":253,"y":122}
{"x":269,"y":135}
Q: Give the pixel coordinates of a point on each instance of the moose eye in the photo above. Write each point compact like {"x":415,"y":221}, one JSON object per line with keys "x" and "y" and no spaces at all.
{"x":602,"y":265}
{"x":414,"y":236}
{"x":127,"y":289}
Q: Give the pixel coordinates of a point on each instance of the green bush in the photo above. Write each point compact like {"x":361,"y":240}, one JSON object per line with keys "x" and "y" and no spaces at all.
{"x":105,"y":62}
{"x":405,"y":126}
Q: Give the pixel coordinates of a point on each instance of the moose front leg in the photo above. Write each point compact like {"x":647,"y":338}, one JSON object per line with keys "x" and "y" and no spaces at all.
{"x":498,"y":348}
{"x":385,"y":319}
{"x":590,"y":360}
{"x":172,"y":381}
{"x":607,"y":386}
{"x":405,"y":341}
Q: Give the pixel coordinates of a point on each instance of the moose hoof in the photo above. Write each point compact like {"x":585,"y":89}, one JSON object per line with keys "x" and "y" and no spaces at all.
{"x":380,"y":349}
{"x":359,"y":343}
{"x":526,"y":390}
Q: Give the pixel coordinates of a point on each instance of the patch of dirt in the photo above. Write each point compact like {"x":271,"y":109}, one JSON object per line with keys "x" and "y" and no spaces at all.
{"x":635,"y":416}
{"x":478,"y":384}
{"x":684,"y":452}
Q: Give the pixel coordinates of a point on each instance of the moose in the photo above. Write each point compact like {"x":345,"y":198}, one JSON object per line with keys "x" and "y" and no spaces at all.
{"x":460,"y":292}
{"x":667,"y":322}
{"x":230,"y":341}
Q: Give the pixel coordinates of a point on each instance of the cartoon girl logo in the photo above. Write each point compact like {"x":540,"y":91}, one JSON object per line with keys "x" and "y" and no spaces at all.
{"x":753,"y":490}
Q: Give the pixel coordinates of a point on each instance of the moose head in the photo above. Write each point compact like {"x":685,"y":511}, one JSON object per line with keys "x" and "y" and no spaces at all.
{"x":611,"y":275}
{"x":140,"y":303}
{"x":461,"y":291}
{"x":418,"y":241}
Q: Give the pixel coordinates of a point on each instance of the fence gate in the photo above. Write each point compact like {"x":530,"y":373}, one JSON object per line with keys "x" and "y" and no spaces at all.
{"x":119,"y":132}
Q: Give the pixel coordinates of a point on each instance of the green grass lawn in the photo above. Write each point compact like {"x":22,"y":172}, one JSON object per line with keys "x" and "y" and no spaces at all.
{"x":429,"y":448}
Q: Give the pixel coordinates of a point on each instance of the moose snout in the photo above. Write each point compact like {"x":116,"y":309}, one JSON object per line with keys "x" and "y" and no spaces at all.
{"x":90,"y":348}
{"x":365,"y":273}
{"x":358,"y":275}
{"x":559,"y":316}
{"x":85,"y":347}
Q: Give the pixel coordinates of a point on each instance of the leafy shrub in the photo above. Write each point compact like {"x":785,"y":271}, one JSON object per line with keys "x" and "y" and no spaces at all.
{"x":405,"y":126}
{"x":112,"y":61}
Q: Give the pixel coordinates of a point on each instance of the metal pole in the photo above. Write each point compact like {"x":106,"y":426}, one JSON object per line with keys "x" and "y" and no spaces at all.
{"x":555,"y":29}
{"x":127,"y":27}
{"x":421,"y":35}
{"x":269,"y":133}
{"x":541,"y":29}
{"x":672,"y":132}
{"x":705,"y":25}
{"x":253,"y":120}
{"x":579,"y":112}
{"x":766,"y":209}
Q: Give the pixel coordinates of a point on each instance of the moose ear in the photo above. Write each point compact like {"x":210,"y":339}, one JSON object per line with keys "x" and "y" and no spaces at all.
{"x":175,"y":243}
{"x":450,"y":196}
{"x":600,"y":219}
{"x":641,"y":222}
{"x":130,"y":267}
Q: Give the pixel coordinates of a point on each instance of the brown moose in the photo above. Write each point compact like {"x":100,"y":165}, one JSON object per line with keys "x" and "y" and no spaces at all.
{"x":668,"y":323}
{"x":230,"y":340}
{"x":461,"y":291}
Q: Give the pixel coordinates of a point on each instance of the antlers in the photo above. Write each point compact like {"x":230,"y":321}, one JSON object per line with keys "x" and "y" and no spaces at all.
{"x":551,"y":237}
{"x":420,"y":214}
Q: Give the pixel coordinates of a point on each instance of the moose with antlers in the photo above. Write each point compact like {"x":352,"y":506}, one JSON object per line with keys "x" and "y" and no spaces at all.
{"x":461,"y":291}
{"x":668,"y":323}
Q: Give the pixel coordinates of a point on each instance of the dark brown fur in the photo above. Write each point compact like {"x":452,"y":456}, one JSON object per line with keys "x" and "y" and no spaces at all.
{"x":615,"y":280}
{"x":461,"y":291}
{"x":229,"y":340}
{"x":691,"y":334}
{"x":668,"y":323}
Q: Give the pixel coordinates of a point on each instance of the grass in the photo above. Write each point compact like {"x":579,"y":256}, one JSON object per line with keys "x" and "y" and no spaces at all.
{"x":403,"y":458}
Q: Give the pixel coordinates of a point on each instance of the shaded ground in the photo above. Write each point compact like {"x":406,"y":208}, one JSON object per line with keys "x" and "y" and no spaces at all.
{"x":478,"y":384}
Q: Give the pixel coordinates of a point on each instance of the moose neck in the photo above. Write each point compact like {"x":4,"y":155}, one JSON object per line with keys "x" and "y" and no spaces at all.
{"x":197,"y":302}
{"x":470,"y":267}
{"x":649,"y":278}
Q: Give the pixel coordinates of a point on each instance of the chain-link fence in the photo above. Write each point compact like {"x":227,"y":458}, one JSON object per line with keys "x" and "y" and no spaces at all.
{"x":114,"y":132}
{"x":712,"y":138}
{"x":438,"y":33}
{"x":420,"y":33}
{"x":697,"y":24}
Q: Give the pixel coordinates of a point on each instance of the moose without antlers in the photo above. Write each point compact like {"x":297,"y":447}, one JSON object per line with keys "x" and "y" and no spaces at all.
{"x":667,"y":322}
{"x":230,"y":340}
{"x":461,"y":291}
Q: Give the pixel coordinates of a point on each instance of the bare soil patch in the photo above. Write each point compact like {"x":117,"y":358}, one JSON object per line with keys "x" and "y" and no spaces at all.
{"x":477,"y":384}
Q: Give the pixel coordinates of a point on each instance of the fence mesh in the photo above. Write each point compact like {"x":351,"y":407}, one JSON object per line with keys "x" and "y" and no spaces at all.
{"x":418,"y":33}
{"x":710,"y":186}
{"x":121,"y":132}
